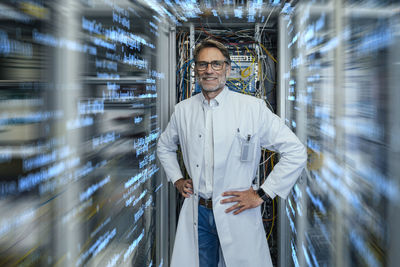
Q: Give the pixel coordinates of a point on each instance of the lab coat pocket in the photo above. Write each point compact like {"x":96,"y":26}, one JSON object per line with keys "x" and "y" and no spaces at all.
{"x":246,"y":147}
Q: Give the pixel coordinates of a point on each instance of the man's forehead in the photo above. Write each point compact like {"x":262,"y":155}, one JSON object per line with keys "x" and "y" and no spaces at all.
{"x":210,"y":53}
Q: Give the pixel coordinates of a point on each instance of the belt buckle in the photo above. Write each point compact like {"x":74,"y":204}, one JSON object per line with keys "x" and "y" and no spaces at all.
{"x":209,"y":203}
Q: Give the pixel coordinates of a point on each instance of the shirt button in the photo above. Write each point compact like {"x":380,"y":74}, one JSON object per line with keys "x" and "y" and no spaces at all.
{"x":197,"y":165}
{"x":199,"y":135}
{"x":194,"y":224}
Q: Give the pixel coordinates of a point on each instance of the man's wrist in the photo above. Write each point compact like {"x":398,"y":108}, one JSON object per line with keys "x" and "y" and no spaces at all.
{"x":261,"y":193}
{"x":174,"y":183}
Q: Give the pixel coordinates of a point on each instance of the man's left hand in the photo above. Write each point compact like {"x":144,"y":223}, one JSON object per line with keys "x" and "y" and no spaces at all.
{"x":244,"y":200}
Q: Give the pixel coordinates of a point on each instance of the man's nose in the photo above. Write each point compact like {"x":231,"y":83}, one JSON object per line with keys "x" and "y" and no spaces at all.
{"x":209,"y":68}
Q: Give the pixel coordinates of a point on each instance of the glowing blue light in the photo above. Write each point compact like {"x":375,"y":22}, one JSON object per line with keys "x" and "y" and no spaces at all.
{"x":38,"y":161}
{"x":361,"y":245}
{"x":147,"y":160}
{"x":133,"y":179}
{"x":106,"y":64}
{"x":134,"y":244}
{"x":121,"y":20}
{"x":139,"y":198}
{"x":8,"y":224}
{"x":151,"y":88}
{"x":114,"y":259}
{"x":275,"y":2}
{"x":142,"y":144}
{"x":47,"y":39}
{"x":111,"y":76}
{"x":79,"y":122}
{"x":91,"y":107}
{"x":306,"y":255}
{"x":8,"y":188}
{"x":14,"y":119}
{"x":294,"y":255}
{"x":309,"y":34}
{"x":172,"y":17}
{"x":113,"y":86}
{"x":287,"y":9}
{"x":104,"y":139}
{"x":28,"y":182}
{"x":97,"y":247}
{"x":92,"y":26}
{"x":12,"y":47}
{"x":93,"y":188}
{"x":316,"y":201}
{"x":135,"y":61}
{"x":159,"y":75}
{"x":330,"y":45}
{"x":83,"y":171}
{"x":138,"y":119}
{"x":100,"y":227}
{"x":238,"y":12}
{"x":158,"y":188}
{"x":320,"y":23}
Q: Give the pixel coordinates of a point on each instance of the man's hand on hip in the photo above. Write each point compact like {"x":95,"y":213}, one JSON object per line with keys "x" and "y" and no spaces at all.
{"x":184,"y":186}
{"x":243,"y":200}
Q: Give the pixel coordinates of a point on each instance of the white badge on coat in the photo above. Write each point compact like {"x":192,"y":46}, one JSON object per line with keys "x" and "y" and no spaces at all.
{"x":247,"y":148}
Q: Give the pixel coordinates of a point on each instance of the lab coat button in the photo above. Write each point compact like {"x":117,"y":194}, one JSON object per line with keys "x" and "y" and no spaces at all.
{"x":200,"y":135}
{"x":197,"y":165}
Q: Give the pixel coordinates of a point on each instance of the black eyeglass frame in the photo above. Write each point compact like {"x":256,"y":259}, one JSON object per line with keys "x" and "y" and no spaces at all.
{"x":212,"y":64}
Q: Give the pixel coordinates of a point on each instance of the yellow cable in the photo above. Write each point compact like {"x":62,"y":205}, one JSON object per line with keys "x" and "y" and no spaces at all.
{"x":233,"y":84}
{"x":248,"y":69}
{"x":268,"y":53}
{"x":249,"y":81}
{"x":272,"y":162}
{"x":273,"y":218}
{"x":265,"y":77}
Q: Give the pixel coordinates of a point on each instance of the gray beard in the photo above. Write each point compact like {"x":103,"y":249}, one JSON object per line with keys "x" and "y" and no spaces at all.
{"x":211,"y":89}
{"x":214,"y":89}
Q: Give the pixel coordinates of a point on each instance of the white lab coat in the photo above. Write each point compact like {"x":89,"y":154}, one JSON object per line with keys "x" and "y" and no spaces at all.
{"x":242,"y":236}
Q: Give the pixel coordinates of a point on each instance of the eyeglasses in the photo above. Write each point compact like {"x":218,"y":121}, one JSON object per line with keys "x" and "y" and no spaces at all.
{"x":215,"y":64}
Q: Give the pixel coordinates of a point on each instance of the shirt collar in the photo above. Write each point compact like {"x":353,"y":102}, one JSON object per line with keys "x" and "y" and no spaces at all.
{"x":218,"y":100}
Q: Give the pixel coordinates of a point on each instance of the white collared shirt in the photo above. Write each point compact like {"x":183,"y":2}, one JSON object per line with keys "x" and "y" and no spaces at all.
{"x":207,"y":170}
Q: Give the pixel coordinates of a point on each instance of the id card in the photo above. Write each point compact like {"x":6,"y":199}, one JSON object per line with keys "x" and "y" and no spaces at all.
{"x":247,"y":151}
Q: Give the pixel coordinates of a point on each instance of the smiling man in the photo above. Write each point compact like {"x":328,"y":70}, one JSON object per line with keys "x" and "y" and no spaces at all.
{"x":221,"y":134}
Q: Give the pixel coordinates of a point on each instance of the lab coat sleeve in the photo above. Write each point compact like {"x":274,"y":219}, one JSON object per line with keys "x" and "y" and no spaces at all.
{"x":276,"y":136}
{"x":166,"y":150}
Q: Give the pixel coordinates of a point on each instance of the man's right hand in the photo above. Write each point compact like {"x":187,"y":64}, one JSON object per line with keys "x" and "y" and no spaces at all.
{"x":184,"y":186}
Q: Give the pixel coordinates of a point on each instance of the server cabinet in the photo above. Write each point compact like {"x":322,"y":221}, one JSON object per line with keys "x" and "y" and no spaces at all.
{"x":338,"y":86}
{"x":80,"y":109}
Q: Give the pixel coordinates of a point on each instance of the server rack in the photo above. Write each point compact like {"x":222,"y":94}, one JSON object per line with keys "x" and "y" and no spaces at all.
{"x":338,"y":85}
{"x":80,"y":115}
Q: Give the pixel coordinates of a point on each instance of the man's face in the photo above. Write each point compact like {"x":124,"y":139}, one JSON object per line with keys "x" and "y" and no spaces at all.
{"x":211,"y":80}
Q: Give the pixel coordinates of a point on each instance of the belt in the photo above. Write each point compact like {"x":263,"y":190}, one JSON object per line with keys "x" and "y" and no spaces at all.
{"x":205,"y":202}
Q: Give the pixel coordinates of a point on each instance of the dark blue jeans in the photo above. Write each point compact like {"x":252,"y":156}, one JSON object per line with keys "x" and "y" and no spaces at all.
{"x":208,"y":238}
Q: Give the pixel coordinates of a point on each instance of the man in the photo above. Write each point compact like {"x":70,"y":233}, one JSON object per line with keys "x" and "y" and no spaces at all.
{"x":221,"y":134}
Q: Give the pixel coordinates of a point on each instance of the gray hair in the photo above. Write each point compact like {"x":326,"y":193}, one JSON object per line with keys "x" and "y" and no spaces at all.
{"x":212,"y":43}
